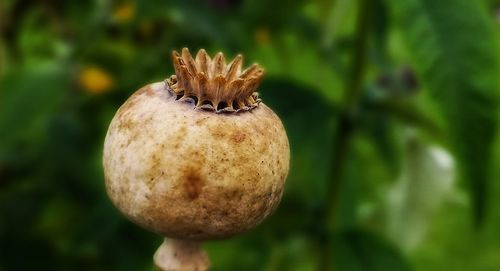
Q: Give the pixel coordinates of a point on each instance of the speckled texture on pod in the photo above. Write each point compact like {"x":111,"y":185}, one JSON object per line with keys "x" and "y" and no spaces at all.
{"x":192,"y":174}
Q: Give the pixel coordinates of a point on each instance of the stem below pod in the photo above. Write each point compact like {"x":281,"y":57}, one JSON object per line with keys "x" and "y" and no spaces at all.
{"x":181,"y":255}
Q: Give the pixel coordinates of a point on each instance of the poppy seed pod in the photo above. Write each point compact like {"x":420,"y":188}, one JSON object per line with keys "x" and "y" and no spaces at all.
{"x":196,"y":157}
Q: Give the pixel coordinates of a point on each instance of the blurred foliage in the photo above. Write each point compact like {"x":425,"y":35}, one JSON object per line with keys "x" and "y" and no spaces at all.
{"x":391,"y":108}
{"x":463,"y":78}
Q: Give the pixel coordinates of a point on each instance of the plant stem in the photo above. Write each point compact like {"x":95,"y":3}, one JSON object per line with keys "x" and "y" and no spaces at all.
{"x":181,"y":255}
{"x":354,"y":85}
{"x":345,"y":130}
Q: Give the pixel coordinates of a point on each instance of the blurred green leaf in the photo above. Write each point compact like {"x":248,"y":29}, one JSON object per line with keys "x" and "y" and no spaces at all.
{"x":288,"y":56}
{"x":406,"y":111}
{"x":340,"y":15}
{"x":452,"y":45}
{"x":356,"y":250}
{"x":242,"y":253}
{"x":309,"y":122}
{"x":28,"y":100}
{"x":264,"y":13}
{"x":295,"y":254}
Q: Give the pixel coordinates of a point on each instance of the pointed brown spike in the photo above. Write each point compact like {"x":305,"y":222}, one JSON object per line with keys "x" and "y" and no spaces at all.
{"x":218,"y":65}
{"x":195,"y":86}
{"x":175,"y":54}
{"x":233,"y":89}
{"x":188,"y":61}
{"x":179,"y":73}
{"x":249,"y":71}
{"x":186,"y":74}
{"x":201,"y":85}
{"x":250,"y":101}
{"x":259,"y":73}
{"x":171,"y":80}
{"x":177,"y":90}
{"x":258,"y":78}
{"x":241,"y":104}
{"x":219,"y":89}
{"x":203,"y":61}
{"x":234,"y":68}
{"x":235,"y":85}
{"x":185,"y":52}
{"x":176,"y":59}
{"x":250,"y":86}
{"x":186,"y":80}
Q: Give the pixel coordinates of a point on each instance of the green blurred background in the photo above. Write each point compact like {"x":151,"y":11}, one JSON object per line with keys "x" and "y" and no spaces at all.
{"x":391,"y":108}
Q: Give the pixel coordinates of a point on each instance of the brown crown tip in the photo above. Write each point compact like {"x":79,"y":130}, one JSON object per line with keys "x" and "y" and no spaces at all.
{"x":212,"y":83}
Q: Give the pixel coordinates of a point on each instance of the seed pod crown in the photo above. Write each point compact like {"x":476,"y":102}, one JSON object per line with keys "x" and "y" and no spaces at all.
{"x":214,"y":85}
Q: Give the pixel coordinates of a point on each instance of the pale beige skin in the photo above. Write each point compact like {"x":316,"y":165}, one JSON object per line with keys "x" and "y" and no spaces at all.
{"x":187,"y":173}
{"x":181,"y":255}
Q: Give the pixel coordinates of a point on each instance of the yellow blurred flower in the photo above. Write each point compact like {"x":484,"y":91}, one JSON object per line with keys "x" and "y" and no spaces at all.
{"x":124,"y":12}
{"x":262,"y":35}
{"x":95,"y":80}
{"x":146,"y":29}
